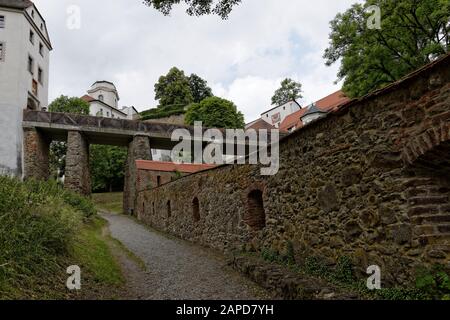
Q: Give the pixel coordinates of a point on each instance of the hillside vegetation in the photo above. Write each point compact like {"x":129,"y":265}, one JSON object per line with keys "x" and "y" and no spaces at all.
{"x":43,"y":230}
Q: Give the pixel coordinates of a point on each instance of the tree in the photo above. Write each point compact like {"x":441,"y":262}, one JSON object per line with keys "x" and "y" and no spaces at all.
{"x":196,"y":7}
{"x":69,"y":105}
{"x":215,"y":112}
{"x":173,"y":89}
{"x":107,"y":165}
{"x":199,"y":88}
{"x":58,"y":149}
{"x":289,"y":90}
{"x":412,"y":33}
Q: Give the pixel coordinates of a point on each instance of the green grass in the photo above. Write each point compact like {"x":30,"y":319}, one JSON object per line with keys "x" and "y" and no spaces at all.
{"x":109,"y":202}
{"x":92,"y":252}
{"x":45,"y":229}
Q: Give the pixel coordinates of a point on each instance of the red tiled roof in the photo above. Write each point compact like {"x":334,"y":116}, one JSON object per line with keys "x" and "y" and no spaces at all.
{"x":260,"y":124}
{"x":332,"y":101}
{"x":327,"y":104}
{"x":171,"y":167}
{"x":87,"y":98}
{"x":294,"y":119}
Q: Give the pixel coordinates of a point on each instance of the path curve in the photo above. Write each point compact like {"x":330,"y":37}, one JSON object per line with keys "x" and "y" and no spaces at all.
{"x":176,"y":270}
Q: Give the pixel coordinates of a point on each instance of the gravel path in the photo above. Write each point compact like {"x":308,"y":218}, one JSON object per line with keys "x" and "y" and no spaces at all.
{"x":176,"y":269}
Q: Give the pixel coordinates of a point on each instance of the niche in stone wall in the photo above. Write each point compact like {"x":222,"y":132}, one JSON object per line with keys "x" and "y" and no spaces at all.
{"x":255,"y":216}
{"x":196,"y":209}
{"x":169,"y":209}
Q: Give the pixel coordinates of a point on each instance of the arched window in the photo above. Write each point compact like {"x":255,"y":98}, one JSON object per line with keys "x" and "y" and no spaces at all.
{"x":255,"y":216}
{"x":196,"y":209}
{"x":169,"y":209}
{"x":100,"y":97}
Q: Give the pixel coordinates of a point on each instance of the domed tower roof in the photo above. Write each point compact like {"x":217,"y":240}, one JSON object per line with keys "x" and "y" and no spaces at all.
{"x":105,"y":91}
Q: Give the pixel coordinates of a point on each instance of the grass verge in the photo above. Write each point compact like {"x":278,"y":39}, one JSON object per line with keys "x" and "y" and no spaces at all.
{"x":45,"y":229}
{"x":109,"y":202}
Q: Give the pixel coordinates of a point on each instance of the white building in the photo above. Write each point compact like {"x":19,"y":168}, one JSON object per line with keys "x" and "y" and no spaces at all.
{"x":24,"y":68}
{"x":103,"y":99}
{"x":276,"y":116}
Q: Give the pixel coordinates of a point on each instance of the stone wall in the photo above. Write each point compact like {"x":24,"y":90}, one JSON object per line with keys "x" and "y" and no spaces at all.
{"x":36,"y":152}
{"x":173,"y":119}
{"x":370,"y":182}
{"x":138,"y":149}
{"x":77,"y":176}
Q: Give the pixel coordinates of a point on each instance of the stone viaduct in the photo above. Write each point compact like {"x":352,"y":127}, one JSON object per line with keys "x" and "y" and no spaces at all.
{"x":370,"y":181}
{"x":40,"y":128}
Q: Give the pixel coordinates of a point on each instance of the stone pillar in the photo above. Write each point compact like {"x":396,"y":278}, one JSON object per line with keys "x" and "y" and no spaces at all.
{"x":77,"y":164}
{"x":36,"y":149}
{"x":138,"y":149}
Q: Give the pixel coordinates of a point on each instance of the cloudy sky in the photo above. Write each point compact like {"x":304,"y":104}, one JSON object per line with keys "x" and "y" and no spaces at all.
{"x":243,"y":58}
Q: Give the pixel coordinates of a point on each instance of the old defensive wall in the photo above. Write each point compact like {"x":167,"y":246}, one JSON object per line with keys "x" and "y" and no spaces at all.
{"x":370,"y":181}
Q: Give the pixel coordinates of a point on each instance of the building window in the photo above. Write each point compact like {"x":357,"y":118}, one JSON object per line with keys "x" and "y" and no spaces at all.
{"x":40,"y":75}
{"x":2,"y":51}
{"x":34,"y":87}
{"x":107,"y":114}
{"x":100,"y":97}
{"x":42,"y":26}
{"x":196,"y":209}
{"x":41,"y":49}
{"x":32,"y":13}
{"x":2,"y":22}
{"x":255,"y":216}
{"x":31,"y":36}
{"x":158,"y":181}
{"x":30,"y":64}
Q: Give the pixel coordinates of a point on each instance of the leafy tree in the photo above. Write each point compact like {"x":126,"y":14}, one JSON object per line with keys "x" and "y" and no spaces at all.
{"x":58,"y":149}
{"x":199,"y":88}
{"x":215,"y":112}
{"x":173,"y":89}
{"x":289,"y":90}
{"x":196,"y":7}
{"x":107,"y":165}
{"x":412,"y":33}
{"x":69,"y":105}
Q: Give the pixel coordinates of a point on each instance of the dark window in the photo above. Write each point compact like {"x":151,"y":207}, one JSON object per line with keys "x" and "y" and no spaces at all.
{"x":100,"y":97}
{"x":31,"y":36}
{"x":196,"y":209}
{"x":169,"y":209}
{"x":30,"y":64}
{"x":158,"y":181}
{"x":2,"y":51}
{"x":40,"y":76}
{"x":255,"y":217}
{"x":41,"y":49}
{"x":2,"y":22}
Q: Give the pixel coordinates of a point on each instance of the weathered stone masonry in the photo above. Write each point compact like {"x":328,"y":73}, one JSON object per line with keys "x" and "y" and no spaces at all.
{"x":77,"y":163}
{"x":370,"y":182}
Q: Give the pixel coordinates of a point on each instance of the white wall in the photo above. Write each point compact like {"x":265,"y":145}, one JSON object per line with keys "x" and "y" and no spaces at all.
{"x":16,"y":82}
{"x":108,"y":112}
{"x":283,"y":111}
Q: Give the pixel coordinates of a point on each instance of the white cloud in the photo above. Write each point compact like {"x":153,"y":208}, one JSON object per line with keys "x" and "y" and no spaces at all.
{"x":243,"y":58}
